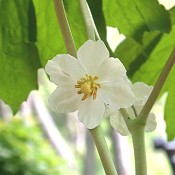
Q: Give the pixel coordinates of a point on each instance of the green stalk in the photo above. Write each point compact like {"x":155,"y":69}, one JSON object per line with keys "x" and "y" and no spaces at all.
{"x":103,"y":151}
{"x":88,"y":20}
{"x":136,"y":128}
{"x":158,"y":86}
{"x":139,"y":151}
{"x":64,"y":27}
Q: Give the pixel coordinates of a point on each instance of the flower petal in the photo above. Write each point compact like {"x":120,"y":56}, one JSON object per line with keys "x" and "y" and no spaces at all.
{"x":64,"y":99}
{"x":57,"y":76}
{"x":68,"y":65}
{"x":111,"y":69}
{"x":118,"y":123}
{"x":117,"y":95}
{"x":91,"y":112}
{"x":91,"y":55}
{"x":142,"y":92}
{"x":151,"y":123}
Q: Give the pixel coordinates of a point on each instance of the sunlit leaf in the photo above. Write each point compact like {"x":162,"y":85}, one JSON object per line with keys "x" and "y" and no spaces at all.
{"x":134,"y":54}
{"x":133,"y":18}
{"x":18,"y":58}
{"x":49,"y":38}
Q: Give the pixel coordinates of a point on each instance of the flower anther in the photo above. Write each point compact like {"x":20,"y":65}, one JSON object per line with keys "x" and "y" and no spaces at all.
{"x":88,"y":86}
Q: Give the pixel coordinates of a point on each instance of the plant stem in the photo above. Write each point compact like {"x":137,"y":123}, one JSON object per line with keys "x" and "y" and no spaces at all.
{"x":136,"y":128}
{"x":88,"y":20}
{"x":103,"y":151}
{"x":158,"y":86}
{"x":139,"y":151}
{"x":64,"y":27}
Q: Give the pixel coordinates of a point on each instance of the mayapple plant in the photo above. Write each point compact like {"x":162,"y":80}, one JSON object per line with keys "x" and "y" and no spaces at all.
{"x":92,"y":79}
{"x":95,"y":84}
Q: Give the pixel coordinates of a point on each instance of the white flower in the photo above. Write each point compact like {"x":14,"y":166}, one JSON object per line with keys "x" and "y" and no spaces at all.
{"x":142,"y":92}
{"x":89,"y":83}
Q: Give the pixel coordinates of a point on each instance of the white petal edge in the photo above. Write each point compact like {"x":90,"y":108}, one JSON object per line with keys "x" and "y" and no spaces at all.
{"x":151,"y":123}
{"x":117,"y":95}
{"x":68,"y":65}
{"x":111,"y":69}
{"x":64,"y":99}
{"x":91,"y":112}
{"x":91,"y":55}
{"x":57,"y":76}
{"x":142,"y":92}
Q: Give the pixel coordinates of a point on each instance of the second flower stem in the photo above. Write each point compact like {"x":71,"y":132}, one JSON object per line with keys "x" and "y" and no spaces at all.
{"x":103,"y":151}
{"x":158,"y":86}
{"x":139,"y":151}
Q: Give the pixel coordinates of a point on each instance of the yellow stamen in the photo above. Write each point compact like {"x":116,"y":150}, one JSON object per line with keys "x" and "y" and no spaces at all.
{"x":79,"y":92}
{"x":88,"y":86}
{"x":77,"y":86}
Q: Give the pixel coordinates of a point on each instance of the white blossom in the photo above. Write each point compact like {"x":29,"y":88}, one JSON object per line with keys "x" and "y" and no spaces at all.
{"x":142,"y":92}
{"x":89,"y":83}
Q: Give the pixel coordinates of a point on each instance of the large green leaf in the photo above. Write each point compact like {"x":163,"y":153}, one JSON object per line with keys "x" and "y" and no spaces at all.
{"x":18,"y":58}
{"x":133,"y":18}
{"x":49,"y":38}
{"x":134,"y":54}
{"x":172,"y":15}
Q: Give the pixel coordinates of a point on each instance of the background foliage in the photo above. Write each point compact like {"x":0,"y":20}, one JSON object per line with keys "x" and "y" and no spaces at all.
{"x":22,"y":153}
{"x":29,"y":36}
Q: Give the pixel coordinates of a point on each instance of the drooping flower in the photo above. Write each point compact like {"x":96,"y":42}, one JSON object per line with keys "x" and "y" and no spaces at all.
{"x":89,"y":83}
{"x":142,"y":92}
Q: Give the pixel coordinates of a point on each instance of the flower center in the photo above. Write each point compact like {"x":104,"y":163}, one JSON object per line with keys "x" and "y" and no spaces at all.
{"x":88,"y":87}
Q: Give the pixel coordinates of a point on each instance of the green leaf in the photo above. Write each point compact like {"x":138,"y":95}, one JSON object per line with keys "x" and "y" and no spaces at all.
{"x":133,"y":18}
{"x":76,"y":22}
{"x":172,"y":15}
{"x":19,"y":60}
{"x":156,"y":60}
{"x":49,"y":38}
{"x":137,"y":53}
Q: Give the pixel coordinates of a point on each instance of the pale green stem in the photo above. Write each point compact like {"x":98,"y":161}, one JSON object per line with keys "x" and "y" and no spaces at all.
{"x":126,"y":116}
{"x":134,"y":110}
{"x":139,"y":151}
{"x":103,"y":151}
{"x":158,"y":86}
{"x":88,"y":20}
{"x":64,"y":27}
{"x":136,"y":129}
